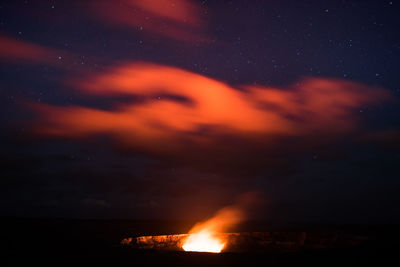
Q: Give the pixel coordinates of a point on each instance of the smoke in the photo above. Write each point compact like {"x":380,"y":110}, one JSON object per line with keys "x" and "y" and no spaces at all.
{"x":230,"y":216}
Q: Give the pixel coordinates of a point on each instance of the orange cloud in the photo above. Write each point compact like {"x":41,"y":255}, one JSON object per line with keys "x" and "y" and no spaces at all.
{"x":212,"y":109}
{"x":20,"y":51}
{"x":175,"y":19}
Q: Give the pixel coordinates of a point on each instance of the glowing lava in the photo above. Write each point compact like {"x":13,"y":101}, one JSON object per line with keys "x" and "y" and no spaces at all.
{"x":208,"y":236}
{"x":203,"y":242}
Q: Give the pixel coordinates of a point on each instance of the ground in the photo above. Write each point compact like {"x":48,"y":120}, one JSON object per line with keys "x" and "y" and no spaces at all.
{"x":33,"y":242}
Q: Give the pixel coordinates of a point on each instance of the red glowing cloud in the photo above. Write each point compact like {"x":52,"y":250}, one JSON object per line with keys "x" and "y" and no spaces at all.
{"x":19,"y":51}
{"x":313,"y":106}
{"x":175,"y":19}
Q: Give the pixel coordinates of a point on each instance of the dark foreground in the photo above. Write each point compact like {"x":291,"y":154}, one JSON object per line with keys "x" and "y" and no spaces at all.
{"x":34,"y":242}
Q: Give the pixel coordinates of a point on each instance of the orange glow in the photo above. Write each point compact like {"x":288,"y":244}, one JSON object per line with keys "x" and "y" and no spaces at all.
{"x":206,"y":236}
{"x":160,"y":123}
{"x":203,"y":242}
{"x":175,"y":19}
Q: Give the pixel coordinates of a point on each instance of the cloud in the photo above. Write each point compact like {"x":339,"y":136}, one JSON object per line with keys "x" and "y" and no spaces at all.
{"x":174,"y":19}
{"x":14,"y":50}
{"x":182,"y":109}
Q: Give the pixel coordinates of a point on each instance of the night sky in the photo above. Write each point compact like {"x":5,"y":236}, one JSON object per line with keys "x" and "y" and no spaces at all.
{"x":170,"y":109}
